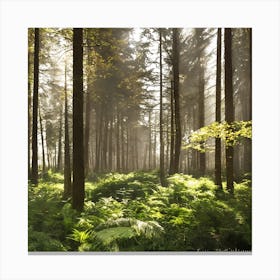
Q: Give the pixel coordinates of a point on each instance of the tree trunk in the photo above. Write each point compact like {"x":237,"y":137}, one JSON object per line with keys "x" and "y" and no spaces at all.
{"x":105,"y":144}
{"x":136,"y":149}
{"x":248,"y":142}
{"x":29,"y":112}
{"x":78,"y":141}
{"x":218,"y":167}
{"x":155,"y":151}
{"x":161,"y":156}
{"x":88,"y":110}
{"x":110,"y":156}
{"x":118,"y":142}
{"x":122,"y":147}
{"x":201,"y":123}
{"x":67,"y":164}
{"x":34,"y":172}
{"x":145,"y":157}
{"x":127,"y":147}
{"x":98,"y":135}
{"x":150,"y":141}
{"x":229,"y":109}
{"x":172,"y":134}
{"x":177,"y":148}
{"x":59,"y":156}
{"x":42,"y":139}
{"x":250,"y":67}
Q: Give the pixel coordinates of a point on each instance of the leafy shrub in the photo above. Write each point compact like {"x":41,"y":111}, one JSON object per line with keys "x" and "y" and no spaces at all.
{"x":40,"y":241}
{"x":133,"y":212}
{"x":124,"y":234}
{"x":124,"y":186}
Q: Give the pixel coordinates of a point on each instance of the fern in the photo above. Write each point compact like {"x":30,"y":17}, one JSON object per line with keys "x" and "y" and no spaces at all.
{"x":80,"y":236}
{"x":109,"y":235}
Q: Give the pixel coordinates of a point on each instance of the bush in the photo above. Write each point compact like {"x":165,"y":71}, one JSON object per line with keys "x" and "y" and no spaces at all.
{"x":133,"y":212}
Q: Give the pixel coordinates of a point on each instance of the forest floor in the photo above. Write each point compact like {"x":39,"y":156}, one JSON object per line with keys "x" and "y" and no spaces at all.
{"x":133,"y":212}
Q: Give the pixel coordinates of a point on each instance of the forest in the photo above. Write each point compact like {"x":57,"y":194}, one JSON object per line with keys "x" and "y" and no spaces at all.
{"x":139,"y":139}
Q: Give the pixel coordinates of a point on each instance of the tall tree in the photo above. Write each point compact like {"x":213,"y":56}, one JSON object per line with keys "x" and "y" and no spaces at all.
{"x":78,"y":141}
{"x":248,"y":142}
{"x":42,"y":141}
{"x":29,"y":99}
{"x":59,"y":151}
{"x":172,"y":134}
{"x":201,"y":43}
{"x":161,"y":160}
{"x":229,"y":109}
{"x":218,"y":171}
{"x":67,"y":163}
{"x":34,"y":172}
{"x":177,"y":148}
{"x":88,"y":105}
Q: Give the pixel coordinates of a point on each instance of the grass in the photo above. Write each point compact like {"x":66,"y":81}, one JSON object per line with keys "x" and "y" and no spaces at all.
{"x":133,"y":212}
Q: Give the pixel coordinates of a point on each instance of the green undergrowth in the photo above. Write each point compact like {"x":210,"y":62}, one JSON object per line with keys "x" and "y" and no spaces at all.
{"x":133,"y":212}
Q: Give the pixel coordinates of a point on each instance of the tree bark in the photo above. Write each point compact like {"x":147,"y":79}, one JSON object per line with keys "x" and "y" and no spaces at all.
{"x":177,"y":148}
{"x":34,"y":172}
{"x":29,"y":112}
{"x":172,"y":134}
{"x":161,"y":156}
{"x":78,"y":141}
{"x":59,"y":152}
{"x":218,"y":166}
{"x":118,"y":155}
{"x":202,"y":158}
{"x":88,"y":111}
{"x":122,"y":147}
{"x":110,"y":155}
{"x":105,"y":143}
{"x":248,"y":142}
{"x":136,"y":149}
{"x":229,"y":109}
{"x":67,"y":164}
{"x":150,"y":140}
{"x":42,"y":139}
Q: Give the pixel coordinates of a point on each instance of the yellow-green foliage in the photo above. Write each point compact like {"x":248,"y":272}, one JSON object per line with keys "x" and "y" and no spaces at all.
{"x":231,"y":134}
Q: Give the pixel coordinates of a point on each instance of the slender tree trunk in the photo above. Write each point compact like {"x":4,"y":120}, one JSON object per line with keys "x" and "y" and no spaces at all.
{"x":127,"y":147}
{"x":177,"y":148}
{"x":155,"y":151}
{"x":34,"y":172}
{"x":118,"y":142}
{"x":59,"y":153}
{"x":98,"y":136}
{"x":166,"y":161}
{"x":248,"y":142}
{"x":88,"y":111}
{"x":67,"y":164}
{"x":229,"y":109}
{"x":218,"y":166}
{"x":42,"y":139}
{"x":110,"y":156}
{"x":161,"y":156}
{"x":172,"y":134}
{"x":122,"y":147}
{"x":136,"y":149}
{"x":105,"y":143}
{"x":201,"y":117}
{"x":145,"y":157}
{"x":78,"y":141}
{"x":29,"y":112}
{"x":131,"y":148}
{"x":250,"y":58}
{"x":150,"y":141}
